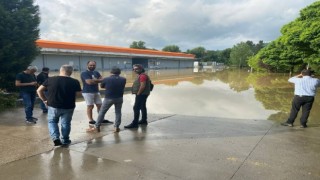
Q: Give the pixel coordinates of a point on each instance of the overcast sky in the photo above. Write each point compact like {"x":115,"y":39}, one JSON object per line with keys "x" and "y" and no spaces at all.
{"x":213,"y":24}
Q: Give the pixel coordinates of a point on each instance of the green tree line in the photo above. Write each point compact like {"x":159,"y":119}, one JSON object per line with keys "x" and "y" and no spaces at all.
{"x":238,"y":55}
{"x":297,"y":48}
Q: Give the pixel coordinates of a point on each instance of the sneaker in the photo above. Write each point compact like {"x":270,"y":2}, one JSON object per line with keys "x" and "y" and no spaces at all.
{"x":286,"y":124}
{"x":107,"y":121}
{"x":57,"y":142}
{"x":66,"y":142}
{"x":92,"y":122}
{"x":143,"y":122}
{"x":30,"y":121}
{"x":303,"y":126}
{"x":34,"y":119}
{"x":131,"y":126}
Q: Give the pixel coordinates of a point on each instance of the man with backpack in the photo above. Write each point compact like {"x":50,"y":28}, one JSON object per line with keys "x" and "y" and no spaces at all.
{"x":141,"y":88}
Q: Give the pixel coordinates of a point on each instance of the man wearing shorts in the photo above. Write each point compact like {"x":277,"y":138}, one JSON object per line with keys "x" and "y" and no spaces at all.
{"x":90,"y":92}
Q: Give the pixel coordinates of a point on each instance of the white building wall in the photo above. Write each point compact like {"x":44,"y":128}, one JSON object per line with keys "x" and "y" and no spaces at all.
{"x":79,"y":62}
{"x":186,"y":64}
{"x":166,"y":63}
{"x":54,"y":62}
{"x":122,"y":63}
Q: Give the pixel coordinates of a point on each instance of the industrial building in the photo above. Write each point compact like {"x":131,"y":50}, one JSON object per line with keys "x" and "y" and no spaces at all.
{"x":54,"y":54}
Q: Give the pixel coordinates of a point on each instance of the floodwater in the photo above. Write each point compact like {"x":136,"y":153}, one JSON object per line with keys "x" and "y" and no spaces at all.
{"x":218,"y":93}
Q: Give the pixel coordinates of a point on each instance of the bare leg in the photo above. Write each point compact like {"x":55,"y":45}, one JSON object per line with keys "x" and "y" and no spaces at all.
{"x":89,"y":112}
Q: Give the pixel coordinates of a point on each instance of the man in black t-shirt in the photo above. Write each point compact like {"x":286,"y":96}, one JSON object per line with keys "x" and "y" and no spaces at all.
{"x":44,"y":75}
{"x":62,"y":92}
{"x":27,"y":83}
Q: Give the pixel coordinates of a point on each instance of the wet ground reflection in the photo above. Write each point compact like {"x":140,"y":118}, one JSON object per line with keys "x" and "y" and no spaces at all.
{"x":225,"y":93}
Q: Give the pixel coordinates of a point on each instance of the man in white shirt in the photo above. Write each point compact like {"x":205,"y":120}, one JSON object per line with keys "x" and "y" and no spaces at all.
{"x":305,"y":88}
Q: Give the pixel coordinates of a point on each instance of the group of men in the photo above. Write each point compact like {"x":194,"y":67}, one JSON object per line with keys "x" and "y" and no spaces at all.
{"x":58,"y":95}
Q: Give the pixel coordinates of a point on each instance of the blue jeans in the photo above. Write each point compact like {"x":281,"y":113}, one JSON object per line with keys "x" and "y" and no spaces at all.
{"x":54,"y":114}
{"x":28,"y":101}
{"x":107,"y":103}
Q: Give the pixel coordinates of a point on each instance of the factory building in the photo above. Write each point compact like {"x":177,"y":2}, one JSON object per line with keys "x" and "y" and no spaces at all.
{"x":54,"y":54}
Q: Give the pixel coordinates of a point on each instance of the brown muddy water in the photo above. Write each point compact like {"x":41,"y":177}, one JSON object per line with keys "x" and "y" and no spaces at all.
{"x":218,"y":93}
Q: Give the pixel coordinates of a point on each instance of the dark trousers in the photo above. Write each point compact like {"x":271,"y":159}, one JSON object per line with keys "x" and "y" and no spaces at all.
{"x":301,"y":101}
{"x":140,"y":105}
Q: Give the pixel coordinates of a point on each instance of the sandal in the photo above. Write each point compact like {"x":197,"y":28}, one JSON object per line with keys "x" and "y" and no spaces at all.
{"x":93,"y":129}
{"x":116,"y":130}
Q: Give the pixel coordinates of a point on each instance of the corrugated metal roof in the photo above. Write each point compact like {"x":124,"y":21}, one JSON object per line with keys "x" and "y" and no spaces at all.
{"x":77,"y":47}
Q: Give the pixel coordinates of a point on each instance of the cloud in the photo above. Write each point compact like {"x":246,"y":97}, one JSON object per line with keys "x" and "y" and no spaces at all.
{"x":214,"y":24}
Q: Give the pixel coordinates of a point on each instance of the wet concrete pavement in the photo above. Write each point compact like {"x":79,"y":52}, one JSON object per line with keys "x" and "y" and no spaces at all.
{"x":170,"y":147}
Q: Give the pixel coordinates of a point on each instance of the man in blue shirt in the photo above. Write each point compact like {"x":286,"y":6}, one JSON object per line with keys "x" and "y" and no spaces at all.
{"x":305,"y":88}
{"x":90,"y":92}
{"x":114,"y":86}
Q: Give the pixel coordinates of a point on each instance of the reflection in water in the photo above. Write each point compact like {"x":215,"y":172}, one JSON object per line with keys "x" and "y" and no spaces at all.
{"x":60,"y":164}
{"x":227,"y":93}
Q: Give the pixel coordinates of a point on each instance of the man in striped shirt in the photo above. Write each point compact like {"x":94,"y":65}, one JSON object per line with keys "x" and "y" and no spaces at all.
{"x":305,"y":88}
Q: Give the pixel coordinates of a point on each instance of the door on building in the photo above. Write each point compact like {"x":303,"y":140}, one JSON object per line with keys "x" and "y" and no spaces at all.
{"x":142,"y":61}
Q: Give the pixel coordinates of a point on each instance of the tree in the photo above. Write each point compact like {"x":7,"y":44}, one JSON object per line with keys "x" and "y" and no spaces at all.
{"x":256,"y":47}
{"x":298,"y":45}
{"x":210,"y":56}
{"x":138,"y":45}
{"x":199,"y":52}
{"x":240,"y":54}
{"x":259,"y":46}
{"x":224,"y":56}
{"x":18,"y":33}
{"x":171,"y":48}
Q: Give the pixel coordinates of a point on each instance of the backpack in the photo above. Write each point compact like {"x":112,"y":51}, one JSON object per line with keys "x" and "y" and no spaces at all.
{"x":151,"y":84}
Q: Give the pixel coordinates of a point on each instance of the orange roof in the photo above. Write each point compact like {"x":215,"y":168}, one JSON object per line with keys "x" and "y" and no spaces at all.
{"x":91,"y":47}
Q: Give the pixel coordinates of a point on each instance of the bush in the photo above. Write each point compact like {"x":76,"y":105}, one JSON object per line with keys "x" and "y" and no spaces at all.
{"x":7,"y":101}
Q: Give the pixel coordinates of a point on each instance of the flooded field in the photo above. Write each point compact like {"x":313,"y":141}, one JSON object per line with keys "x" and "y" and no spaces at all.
{"x":225,"y":93}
